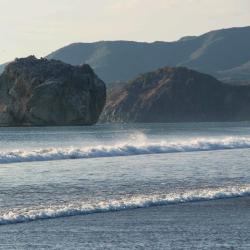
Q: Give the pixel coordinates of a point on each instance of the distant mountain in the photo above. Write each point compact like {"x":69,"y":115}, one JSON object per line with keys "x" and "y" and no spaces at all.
{"x":222,"y":53}
{"x":177,"y":95}
{"x":2,"y":66}
{"x":240,"y":73}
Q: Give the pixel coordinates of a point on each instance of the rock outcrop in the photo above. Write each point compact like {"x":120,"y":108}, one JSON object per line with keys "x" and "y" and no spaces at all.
{"x":44,"y":92}
{"x":177,"y":95}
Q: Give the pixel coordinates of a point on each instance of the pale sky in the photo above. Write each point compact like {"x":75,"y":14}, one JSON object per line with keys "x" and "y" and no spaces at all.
{"x":39,"y":27}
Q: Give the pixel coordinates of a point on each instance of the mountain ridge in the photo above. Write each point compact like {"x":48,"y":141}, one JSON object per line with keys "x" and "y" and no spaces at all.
{"x":211,"y":53}
{"x":221,"y":53}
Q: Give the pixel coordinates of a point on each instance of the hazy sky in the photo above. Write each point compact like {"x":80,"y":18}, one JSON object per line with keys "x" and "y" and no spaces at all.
{"x":41,"y":26}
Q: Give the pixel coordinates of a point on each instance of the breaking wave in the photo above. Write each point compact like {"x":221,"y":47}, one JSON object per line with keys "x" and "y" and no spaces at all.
{"x":125,"y":149}
{"x":141,"y":201}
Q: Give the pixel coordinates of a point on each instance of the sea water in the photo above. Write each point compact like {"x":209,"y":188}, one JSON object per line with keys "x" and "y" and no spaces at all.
{"x":50,"y":173}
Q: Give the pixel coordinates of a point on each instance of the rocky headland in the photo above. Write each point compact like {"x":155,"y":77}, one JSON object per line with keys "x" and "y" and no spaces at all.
{"x":177,"y":95}
{"x":40,"y":92}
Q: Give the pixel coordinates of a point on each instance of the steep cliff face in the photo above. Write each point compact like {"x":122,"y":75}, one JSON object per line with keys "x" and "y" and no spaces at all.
{"x":49,"y":92}
{"x":177,"y":95}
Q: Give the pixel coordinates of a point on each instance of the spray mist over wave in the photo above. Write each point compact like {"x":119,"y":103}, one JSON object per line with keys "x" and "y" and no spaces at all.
{"x":137,"y":144}
{"x":141,"y":201}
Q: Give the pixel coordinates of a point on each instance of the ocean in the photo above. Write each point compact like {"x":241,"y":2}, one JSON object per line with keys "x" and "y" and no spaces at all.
{"x":125,"y":186}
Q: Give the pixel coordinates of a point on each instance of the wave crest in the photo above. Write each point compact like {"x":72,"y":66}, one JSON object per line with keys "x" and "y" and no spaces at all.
{"x":142,"y":201}
{"x":125,"y":149}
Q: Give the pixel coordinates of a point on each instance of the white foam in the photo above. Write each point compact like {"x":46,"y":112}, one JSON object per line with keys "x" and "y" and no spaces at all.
{"x":126,"y":149}
{"x":141,"y":201}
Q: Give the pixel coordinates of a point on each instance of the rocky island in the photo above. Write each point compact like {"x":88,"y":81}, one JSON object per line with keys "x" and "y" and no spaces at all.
{"x":177,"y":95}
{"x":40,"y":92}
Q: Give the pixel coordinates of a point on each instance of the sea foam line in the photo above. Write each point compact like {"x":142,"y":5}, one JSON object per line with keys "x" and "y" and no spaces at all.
{"x":141,"y":201}
{"x":125,"y":149}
